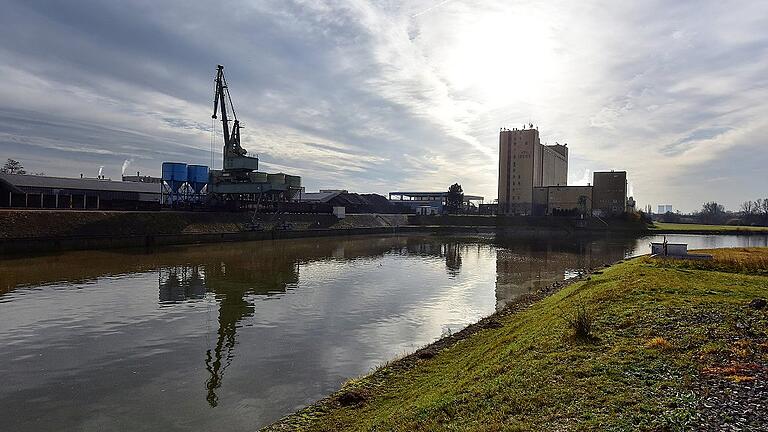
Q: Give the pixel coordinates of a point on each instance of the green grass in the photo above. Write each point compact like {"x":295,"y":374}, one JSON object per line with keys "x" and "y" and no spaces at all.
{"x":657,"y":326}
{"x":676,"y":227}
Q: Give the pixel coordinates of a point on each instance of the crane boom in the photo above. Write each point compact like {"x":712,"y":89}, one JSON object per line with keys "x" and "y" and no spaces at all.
{"x":234,"y":155}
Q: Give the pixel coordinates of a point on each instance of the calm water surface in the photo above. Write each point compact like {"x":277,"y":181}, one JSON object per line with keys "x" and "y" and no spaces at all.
{"x":234,"y":336}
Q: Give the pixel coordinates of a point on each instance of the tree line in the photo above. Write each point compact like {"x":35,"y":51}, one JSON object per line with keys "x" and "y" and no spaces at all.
{"x":755,"y":212}
{"x":12,"y":166}
{"x":750,"y":213}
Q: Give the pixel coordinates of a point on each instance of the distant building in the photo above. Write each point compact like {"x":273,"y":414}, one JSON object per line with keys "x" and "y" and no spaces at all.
{"x":563,"y":201}
{"x":610,"y":193}
{"x":138,"y":178}
{"x":429,"y":202}
{"x":488,"y":209}
{"x":525,"y":164}
{"x":665,"y":208}
{"x":31,"y":191}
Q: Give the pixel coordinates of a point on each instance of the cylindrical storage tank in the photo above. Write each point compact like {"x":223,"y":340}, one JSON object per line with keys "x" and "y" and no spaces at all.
{"x":175,"y":174}
{"x":258,"y":177}
{"x":276,"y":178}
{"x":197,"y":176}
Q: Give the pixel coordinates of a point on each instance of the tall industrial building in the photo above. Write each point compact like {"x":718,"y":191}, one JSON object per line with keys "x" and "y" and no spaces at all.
{"x":525,"y":164}
{"x":610,"y":194}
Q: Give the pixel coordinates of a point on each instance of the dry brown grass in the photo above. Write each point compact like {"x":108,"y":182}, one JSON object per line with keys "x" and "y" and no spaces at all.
{"x":658,"y":343}
{"x":738,"y":372}
{"x":737,"y":260}
{"x":743,"y":257}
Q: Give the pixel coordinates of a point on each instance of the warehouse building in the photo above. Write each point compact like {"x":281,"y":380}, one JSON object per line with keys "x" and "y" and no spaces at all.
{"x":432,"y":203}
{"x":32,"y":191}
{"x":563,"y":201}
{"x":607,"y":197}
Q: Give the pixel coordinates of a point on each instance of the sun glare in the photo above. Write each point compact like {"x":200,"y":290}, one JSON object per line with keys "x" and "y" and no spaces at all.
{"x":503,"y":57}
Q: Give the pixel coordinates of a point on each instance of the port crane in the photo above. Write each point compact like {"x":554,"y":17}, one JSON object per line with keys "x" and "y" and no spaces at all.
{"x":236,"y":158}
{"x":240,"y":184}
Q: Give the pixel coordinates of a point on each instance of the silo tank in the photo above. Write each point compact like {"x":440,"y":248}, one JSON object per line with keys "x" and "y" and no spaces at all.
{"x":175,"y":174}
{"x":197,"y":176}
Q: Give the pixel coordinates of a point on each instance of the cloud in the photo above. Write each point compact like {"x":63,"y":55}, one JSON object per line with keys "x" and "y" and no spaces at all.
{"x":387,"y":95}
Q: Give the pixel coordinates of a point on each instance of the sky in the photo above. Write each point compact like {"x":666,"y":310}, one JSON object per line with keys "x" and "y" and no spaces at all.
{"x":385,"y":95}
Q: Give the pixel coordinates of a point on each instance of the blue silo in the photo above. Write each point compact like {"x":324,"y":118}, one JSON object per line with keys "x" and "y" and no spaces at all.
{"x":174,"y":182}
{"x":175,"y":175}
{"x":197,"y":177}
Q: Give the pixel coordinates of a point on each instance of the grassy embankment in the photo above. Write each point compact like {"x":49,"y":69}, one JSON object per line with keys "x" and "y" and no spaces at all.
{"x":682,"y":228}
{"x":663,"y":333}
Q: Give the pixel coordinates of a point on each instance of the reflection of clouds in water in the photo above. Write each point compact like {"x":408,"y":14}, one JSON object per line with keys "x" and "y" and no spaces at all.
{"x":335,"y":288}
{"x":336,"y":308}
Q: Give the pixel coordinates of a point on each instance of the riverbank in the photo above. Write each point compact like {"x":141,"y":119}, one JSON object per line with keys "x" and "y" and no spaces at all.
{"x":45,"y":231}
{"x":674,"y":345}
{"x":675,"y":228}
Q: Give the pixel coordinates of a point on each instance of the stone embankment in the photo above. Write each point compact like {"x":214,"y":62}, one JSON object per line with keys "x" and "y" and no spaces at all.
{"x":45,"y":231}
{"x":35,"y":231}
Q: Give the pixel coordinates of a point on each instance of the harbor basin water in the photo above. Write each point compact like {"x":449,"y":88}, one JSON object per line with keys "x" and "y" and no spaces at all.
{"x":234,"y":336}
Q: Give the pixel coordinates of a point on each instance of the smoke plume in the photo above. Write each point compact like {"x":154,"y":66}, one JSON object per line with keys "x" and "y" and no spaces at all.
{"x":125,"y":166}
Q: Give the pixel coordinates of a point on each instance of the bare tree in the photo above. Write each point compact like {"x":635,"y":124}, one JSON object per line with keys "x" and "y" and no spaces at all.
{"x":748,"y":208}
{"x":712,"y":213}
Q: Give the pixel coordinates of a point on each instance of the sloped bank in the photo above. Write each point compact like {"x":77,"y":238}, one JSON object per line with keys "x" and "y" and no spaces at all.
{"x":674,"y":346}
{"x":45,"y":231}
{"x":51,"y":231}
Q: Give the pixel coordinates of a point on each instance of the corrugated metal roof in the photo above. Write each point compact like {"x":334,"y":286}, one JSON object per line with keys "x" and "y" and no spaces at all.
{"x":34,"y":181}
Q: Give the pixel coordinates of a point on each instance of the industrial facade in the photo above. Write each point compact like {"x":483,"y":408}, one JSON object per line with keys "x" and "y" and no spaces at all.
{"x":430,"y":203}
{"x":525,"y":164}
{"x":32,"y":191}
{"x":533,"y":180}
{"x":610,"y":193}
{"x":563,"y":200}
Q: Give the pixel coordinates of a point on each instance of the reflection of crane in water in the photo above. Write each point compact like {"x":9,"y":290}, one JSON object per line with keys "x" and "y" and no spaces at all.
{"x":232,"y":287}
{"x":230,"y":291}
{"x":235,"y":277}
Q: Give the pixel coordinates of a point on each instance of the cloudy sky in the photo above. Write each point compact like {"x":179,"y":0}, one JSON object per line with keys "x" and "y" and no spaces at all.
{"x":382,"y":95}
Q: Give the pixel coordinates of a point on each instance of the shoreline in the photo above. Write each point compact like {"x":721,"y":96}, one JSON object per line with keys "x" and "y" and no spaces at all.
{"x":670,"y":342}
{"x":709,"y":232}
{"x":298,"y":419}
{"x":41,"y":245}
{"x":34,"y":232}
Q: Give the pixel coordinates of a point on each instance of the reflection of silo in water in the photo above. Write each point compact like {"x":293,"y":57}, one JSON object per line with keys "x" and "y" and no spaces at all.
{"x":181,"y":283}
